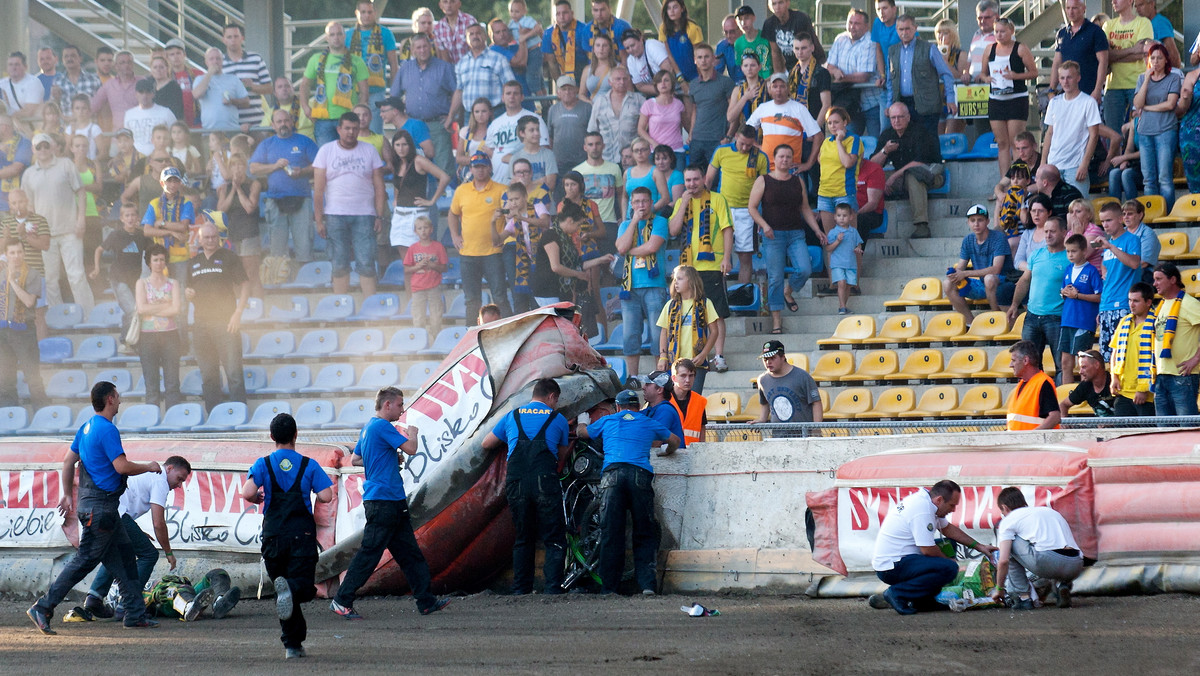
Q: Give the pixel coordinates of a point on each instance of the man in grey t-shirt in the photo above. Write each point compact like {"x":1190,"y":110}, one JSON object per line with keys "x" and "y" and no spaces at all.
{"x":568,"y":121}
{"x":710,"y":97}
{"x":787,"y":393}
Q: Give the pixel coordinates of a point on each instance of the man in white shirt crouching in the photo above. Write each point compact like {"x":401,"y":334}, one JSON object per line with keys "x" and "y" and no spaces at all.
{"x":1037,"y":542}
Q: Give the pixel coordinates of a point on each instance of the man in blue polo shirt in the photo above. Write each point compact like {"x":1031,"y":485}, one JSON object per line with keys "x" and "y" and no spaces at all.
{"x":625,"y":486}
{"x":287,"y":158}
{"x":103,"y":469}
{"x":536,"y":436}
{"x":389,"y":525}
{"x":657,"y":389}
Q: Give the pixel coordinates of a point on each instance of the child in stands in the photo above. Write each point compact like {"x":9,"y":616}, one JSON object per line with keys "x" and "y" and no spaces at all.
{"x":688,"y":325}
{"x":1010,"y":194}
{"x":424,"y":263}
{"x":1081,"y":289}
{"x":845,"y":249}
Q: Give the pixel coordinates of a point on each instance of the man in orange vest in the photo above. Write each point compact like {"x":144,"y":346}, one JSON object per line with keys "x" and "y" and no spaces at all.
{"x":689,"y":404}
{"x":1034,"y":406}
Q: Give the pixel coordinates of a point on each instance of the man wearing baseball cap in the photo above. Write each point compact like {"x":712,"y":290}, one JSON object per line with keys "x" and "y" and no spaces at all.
{"x":784,"y":120}
{"x":145,"y":116}
{"x":984,"y":267}
{"x":568,"y":122}
{"x":628,"y":435}
{"x":1095,"y":386}
{"x":54,"y":190}
{"x":473,"y":228}
{"x":392,"y":111}
{"x":657,"y":388}
{"x":787,"y":393}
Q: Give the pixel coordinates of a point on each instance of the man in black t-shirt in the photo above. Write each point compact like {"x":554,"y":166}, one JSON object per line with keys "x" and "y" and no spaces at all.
{"x":1094,"y":386}
{"x":916,"y":160}
{"x":215,"y":279}
{"x":126,"y":245}
{"x":781,"y":28}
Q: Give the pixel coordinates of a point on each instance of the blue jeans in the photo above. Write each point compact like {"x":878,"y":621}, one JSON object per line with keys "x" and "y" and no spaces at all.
{"x":787,"y":244}
{"x":298,"y":224}
{"x":1124,"y":183}
{"x":1116,"y":108}
{"x":143,"y":549}
{"x":474,"y":269}
{"x":643,"y":305}
{"x":628,"y":489}
{"x":1068,"y":176}
{"x":1043,"y":330}
{"x":348,"y":233}
{"x":1176,"y":395}
{"x":324,"y":131}
{"x":916,"y":579}
{"x":1158,"y":164}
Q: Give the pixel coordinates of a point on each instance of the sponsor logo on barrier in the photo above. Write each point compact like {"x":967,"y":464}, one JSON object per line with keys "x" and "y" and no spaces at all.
{"x":29,"y":509}
{"x":208,"y":512}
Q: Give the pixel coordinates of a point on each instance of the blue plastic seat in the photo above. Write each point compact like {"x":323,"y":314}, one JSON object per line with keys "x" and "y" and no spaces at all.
{"x":945,"y":189}
{"x":619,"y":366}
{"x":139,"y":390}
{"x":67,"y":384}
{"x":375,"y":377}
{"x":755,"y":301}
{"x":13,"y":419}
{"x":335,"y":307}
{"x":598,"y":338}
{"x":191,"y":383}
{"x":50,"y":420}
{"x":288,"y":380}
{"x":317,"y":343}
{"x":64,"y":316}
{"x":180,"y":418}
{"x":353,"y":415}
{"x":670,"y":262}
{"x":883,"y":226}
{"x":137,"y":418}
{"x":224,"y":417}
{"x":122,"y":378}
{"x":417,"y":374}
{"x":274,"y":345}
{"x":953,"y":145}
{"x":361,"y":343}
{"x":406,"y":313}
{"x":453,"y":273}
{"x":985,"y":148}
{"x":870,"y":143}
{"x":266,"y":411}
{"x":94,"y":350}
{"x":297,"y":310}
{"x":254,"y":378}
{"x":446,"y":340}
{"x":107,"y":315}
{"x":254,"y":311}
{"x":55,"y":350}
{"x":314,"y":414}
{"x":331,"y":378}
{"x":407,"y":342}
{"x":393,"y":276}
{"x":313,"y":275}
{"x":85,"y":414}
{"x":458,"y":306}
{"x":615,"y":341}
{"x":377,"y":307}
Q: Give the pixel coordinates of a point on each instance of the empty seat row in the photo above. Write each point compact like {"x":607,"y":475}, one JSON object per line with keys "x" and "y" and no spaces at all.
{"x":945,"y":327}
{"x":361,"y":343}
{"x":319,"y":275}
{"x":940,"y":401}
{"x":923,"y":364}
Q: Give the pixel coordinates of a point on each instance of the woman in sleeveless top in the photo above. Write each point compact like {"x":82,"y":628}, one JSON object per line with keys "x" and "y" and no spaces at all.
{"x":595,"y":74}
{"x":1009,"y":66}
{"x":1188,"y":108}
{"x":93,"y":185}
{"x":643,"y":175}
{"x":472,"y":138}
{"x":158,"y":303}
{"x":238,"y":200}
{"x":410,"y":180}
{"x":950,"y":46}
{"x":785,"y":231}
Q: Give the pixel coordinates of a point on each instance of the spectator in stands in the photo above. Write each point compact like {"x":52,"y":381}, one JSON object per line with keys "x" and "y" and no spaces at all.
{"x":489,"y":313}
{"x":566,"y":43}
{"x":1042,"y":284}
{"x":1133,"y":361}
{"x":594,"y":81}
{"x":884,"y":34}
{"x":615,"y":115}
{"x":1176,"y":344}
{"x":81,"y":124}
{"x":787,"y":393}
{"x":251,"y":69}
{"x":349,"y":203}
{"x":472,"y":222}
{"x":1132,"y":213}
{"x":20,"y":287}
{"x":47,"y":66}
{"x":664,"y":117}
{"x":166,"y":90}
{"x":450,"y":33}
{"x":839,"y":155}
{"x":1084,"y":43}
{"x":1082,"y":286}
{"x":104,"y":62}
{"x":377,"y":47}
{"x":127,"y":245}
{"x":72,"y":80}
{"x":709,"y":93}
{"x":1158,"y":92}
{"x":145,"y":116}
{"x":56,"y":192}
{"x":728,"y":61}
{"x":93,"y":186}
{"x":285,"y":97}
{"x":22,"y":93}
{"x":681,"y":35}
{"x":218,"y":289}
{"x":869,"y":191}
{"x":16,"y":153}
{"x":428,"y":86}
{"x":1073,"y":128}
{"x":525,"y":214}
{"x":184,"y":76}
{"x":855,"y":60}
{"x":169,"y":219}
{"x":916,"y":161}
{"x":808,"y":81}
{"x":472,"y":137}
{"x":410,"y":185}
{"x":422,"y":24}
{"x":986,"y":13}
{"x":687,"y":324}
{"x":784,"y":120}
{"x":1161,"y":28}
{"x":1127,"y":34}
{"x":752,"y":40}
{"x":238,"y":200}
{"x":481,"y":73}
{"x":781,"y":29}
{"x":602,"y":180}
{"x":950,"y":46}
{"x":688,"y":402}
{"x":1122,"y":262}
{"x":338,"y":80}
{"x":604,"y":23}
{"x":424,"y":264}
{"x":991,"y":267}
{"x":502,"y":135}
{"x":542,"y":162}
{"x":1188,"y":110}
{"x":512,"y":49}
{"x":221,"y":95}
{"x":1008,"y":66}
{"x":1095,"y":387}
{"x":393,"y":112}
{"x":665,"y":161}
{"x":845,"y":251}
{"x":1034,"y":404}
{"x":1125,"y":176}
{"x":1060,"y":193}
{"x":644,"y":289}
{"x":1034,"y":235}
{"x":376,"y":141}
{"x":646,"y":57}
{"x":527,"y":43}
{"x":914,"y":72}
{"x":567,"y":120}
{"x":1025,"y":149}
{"x":736,"y":168}
{"x":29,"y":228}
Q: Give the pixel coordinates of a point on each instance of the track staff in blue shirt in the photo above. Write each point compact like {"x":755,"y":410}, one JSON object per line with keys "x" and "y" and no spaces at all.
{"x":389,"y":525}
{"x":289,"y":533}
{"x":625,"y":486}
{"x":103,"y":468}
{"x":536,"y":437}
{"x":657,"y":389}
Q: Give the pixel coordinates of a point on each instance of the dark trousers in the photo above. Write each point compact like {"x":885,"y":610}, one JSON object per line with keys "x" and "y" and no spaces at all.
{"x":19,"y":352}
{"x":536,"y":505}
{"x":916,"y":580}
{"x":388,"y":527}
{"x":294,"y":558}
{"x":144,"y":552}
{"x":474,"y":269}
{"x":102,"y":539}
{"x":626,"y":488}
{"x":160,"y":350}
{"x":1125,"y":408}
{"x":216,"y":348}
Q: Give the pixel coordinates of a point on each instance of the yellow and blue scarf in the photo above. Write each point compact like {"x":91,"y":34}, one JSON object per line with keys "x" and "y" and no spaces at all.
{"x":1172,"y":322}
{"x":563,"y":42}
{"x":799,"y":81}
{"x":9,"y":148}
{"x":375,"y":54}
{"x":13,"y":317}
{"x":1145,"y":354}
{"x":644,"y":230}
{"x":704,"y":223}
{"x":345,"y":84}
{"x":675,"y":326}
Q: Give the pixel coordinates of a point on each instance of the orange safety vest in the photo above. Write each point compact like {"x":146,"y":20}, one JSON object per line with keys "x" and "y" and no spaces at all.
{"x":1023,"y":410}
{"x":693,"y":422}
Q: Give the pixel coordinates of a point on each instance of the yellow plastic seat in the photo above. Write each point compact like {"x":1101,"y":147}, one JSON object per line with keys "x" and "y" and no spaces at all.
{"x":919,"y":291}
{"x":824,"y":400}
{"x":800,"y":360}
{"x":1001,"y":366}
{"x":833,"y":365}
{"x":1048,"y":361}
{"x":1173,"y":246}
{"x":1191,"y":281}
{"x":979,"y":400}
{"x":942,"y":328}
{"x":1154,"y":205}
{"x":1063,"y":391}
{"x":1101,"y":201}
{"x":722,"y":406}
{"x":891,"y":404}
{"x":875,"y":365}
{"x":897,"y":329}
{"x":851,"y":331}
{"x":750,"y":412}
{"x":1003,"y":411}
{"x":1185,"y":210}
{"x":921,"y":365}
{"x":934,"y":402}
{"x":968,"y":362}
{"x":1013,"y":334}
{"x":987,"y":326}
{"x":850,"y":403}
{"x":742,"y":435}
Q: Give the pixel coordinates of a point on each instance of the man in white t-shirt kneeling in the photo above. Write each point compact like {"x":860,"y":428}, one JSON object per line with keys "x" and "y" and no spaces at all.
{"x":1034,"y":542}
{"x":906,"y":556}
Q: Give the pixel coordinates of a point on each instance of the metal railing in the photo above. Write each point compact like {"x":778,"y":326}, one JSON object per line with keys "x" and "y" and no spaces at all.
{"x":296,"y":56}
{"x":752,"y":432}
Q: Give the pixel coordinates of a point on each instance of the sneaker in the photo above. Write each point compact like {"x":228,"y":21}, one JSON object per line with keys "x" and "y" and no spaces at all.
{"x":719,"y":364}
{"x":843,"y":311}
{"x":78,"y":614}
{"x":95,"y":605}
{"x":1063,"y":589}
{"x":345,"y":611}
{"x":41,"y":620}
{"x":1022,"y":604}
{"x":204,"y":599}
{"x":144,"y":623}
{"x":226,"y":602}
{"x":921,"y":231}
{"x":293,"y":653}
{"x":437,"y":605}
{"x":647,"y":592}
{"x":901,"y":607}
{"x":878,"y":602}
{"x":283,"y":599}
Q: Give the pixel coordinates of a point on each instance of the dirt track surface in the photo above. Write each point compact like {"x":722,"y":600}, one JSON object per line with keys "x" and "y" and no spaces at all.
{"x":571,"y":634}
